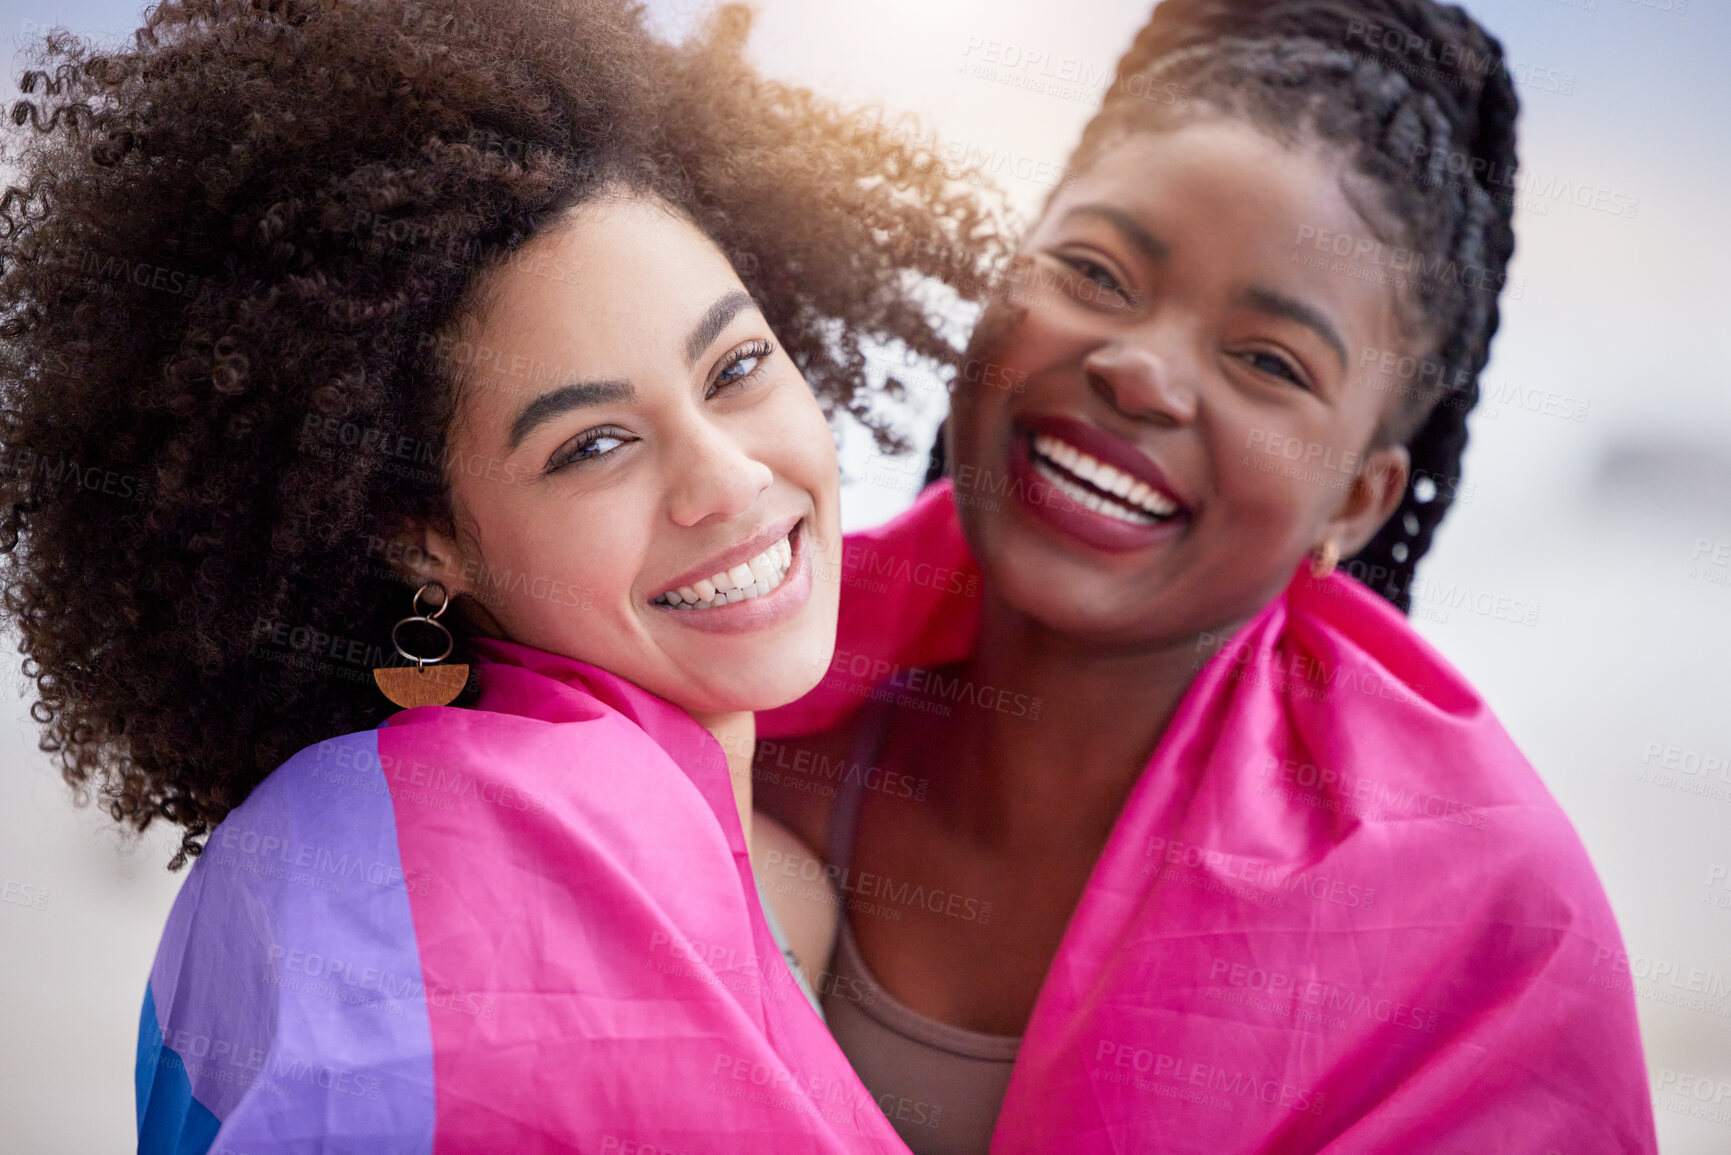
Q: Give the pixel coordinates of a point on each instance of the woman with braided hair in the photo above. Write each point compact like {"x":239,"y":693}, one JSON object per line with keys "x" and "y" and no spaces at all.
{"x":1205,"y":849}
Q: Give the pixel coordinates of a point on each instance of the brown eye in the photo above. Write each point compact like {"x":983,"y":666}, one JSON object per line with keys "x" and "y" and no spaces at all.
{"x":1094,"y":271}
{"x":1095,"y":283}
{"x":1276,"y":366}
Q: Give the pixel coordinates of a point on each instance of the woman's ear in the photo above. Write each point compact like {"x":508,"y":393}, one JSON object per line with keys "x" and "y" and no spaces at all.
{"x":421,"y":553}
{"x":1374,"y":495}
{"x":424,"y":553}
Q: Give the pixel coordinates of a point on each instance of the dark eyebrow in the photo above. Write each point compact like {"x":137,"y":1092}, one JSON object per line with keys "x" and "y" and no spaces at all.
{"x":714,"y":321}
{"x":564,"y":399}
{"x":1280,"y":305}
{"x":1145,"y":242}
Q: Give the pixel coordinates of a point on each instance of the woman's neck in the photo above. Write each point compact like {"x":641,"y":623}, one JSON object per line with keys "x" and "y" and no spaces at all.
{"x":1064,"y":774}
{"x":737,"y":732}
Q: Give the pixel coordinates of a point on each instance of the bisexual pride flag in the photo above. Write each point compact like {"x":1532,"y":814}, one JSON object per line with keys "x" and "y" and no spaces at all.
{"x":527,"y":926}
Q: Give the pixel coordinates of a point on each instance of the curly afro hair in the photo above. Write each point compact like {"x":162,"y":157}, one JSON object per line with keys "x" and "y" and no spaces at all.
{"x":227,"y":265}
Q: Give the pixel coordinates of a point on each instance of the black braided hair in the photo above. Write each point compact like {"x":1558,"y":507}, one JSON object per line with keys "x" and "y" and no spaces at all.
{"x":1418,"y":98}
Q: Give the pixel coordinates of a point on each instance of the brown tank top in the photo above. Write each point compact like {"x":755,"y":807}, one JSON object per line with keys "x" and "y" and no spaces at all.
{"x":940,"y":1086}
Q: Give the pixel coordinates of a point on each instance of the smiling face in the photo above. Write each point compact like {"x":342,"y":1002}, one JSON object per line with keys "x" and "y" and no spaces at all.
{"x":640,"y":477}
{"x":1190,"y":417}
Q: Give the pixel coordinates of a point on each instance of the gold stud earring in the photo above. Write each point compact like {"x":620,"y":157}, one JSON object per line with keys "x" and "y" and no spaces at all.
{"x":1323,"y":560}
{"x":424,"y":683}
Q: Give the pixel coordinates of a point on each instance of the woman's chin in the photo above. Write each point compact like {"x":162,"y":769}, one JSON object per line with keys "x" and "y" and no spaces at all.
{"x":782,"y":676}
{"x":1069,"y":612}
{"x":747,"y":703}
{"x":1064,"y":597}
{"x":757,"y":669}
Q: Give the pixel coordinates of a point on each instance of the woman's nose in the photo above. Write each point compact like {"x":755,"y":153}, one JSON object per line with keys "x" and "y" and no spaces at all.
{"x":714,"y":476}
{"x":1141,"y":381}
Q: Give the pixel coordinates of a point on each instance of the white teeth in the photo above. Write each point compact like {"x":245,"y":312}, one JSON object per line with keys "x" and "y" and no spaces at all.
{"x":750,"y":579}
{"x":1142,"y":497}
{"x":1089,"y":499}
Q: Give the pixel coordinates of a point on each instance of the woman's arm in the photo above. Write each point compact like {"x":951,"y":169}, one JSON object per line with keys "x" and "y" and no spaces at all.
{"x":789,"y":873}
{"x":798,"y":891}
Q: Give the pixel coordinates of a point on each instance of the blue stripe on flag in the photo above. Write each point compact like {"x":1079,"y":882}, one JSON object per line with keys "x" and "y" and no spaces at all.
{"x":170,"y":1120}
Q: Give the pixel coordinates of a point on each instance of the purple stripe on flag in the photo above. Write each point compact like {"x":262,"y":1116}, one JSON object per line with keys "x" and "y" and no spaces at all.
{"x":288,"y":979}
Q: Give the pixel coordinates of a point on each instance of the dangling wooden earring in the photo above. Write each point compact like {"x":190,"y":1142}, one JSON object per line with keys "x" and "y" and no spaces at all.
{"x":1323,"y":561}
{"x":424,"y":683}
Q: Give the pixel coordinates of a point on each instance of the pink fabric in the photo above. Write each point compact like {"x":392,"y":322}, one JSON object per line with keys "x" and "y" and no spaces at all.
{"x":598,"y":970}
{"x":1340,"y":912}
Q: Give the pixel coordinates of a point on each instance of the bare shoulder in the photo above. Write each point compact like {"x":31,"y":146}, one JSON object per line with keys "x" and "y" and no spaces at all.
{"x":797,"y":889}
{"x":796,"y":780}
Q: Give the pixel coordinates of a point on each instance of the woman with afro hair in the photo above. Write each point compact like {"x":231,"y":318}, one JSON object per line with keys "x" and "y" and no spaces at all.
{"x":1215,"y":854}
{"x":319,"y":318}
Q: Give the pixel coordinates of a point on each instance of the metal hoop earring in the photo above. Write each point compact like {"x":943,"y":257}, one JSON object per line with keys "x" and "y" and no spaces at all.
{"x":425,"y":683}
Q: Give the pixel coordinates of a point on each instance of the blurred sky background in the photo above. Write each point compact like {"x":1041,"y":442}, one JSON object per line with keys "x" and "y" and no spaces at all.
{"x":1617,"y":526}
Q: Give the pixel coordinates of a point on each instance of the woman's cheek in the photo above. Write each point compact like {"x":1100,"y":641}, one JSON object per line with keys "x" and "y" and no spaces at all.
{"x":583,"y":565}
{"x":1267,"y":505}
{"x":802,"y":448}
{"x":1016,"y":339}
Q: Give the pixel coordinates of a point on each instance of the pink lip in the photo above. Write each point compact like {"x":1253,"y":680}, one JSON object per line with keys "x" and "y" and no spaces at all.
{"x":757,"y":613}
{"x":1103,"y":446}
{"x":727,"y":559}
